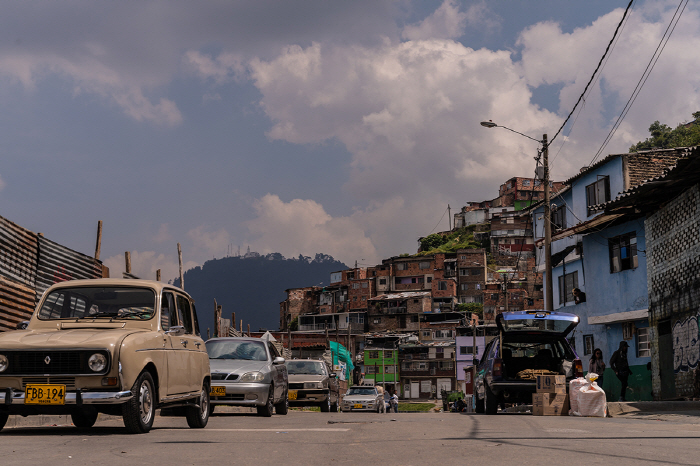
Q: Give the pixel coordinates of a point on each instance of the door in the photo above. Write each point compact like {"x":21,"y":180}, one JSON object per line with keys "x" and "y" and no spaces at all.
{"x":279,"y":373}
{"x":189,"y":345}
{"x":415,"y":390}
{"x":666,"y":373}
{"x":175,"y":354}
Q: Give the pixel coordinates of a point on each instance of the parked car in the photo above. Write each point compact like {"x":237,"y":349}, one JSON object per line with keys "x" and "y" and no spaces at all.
{"x":120,"y":347}
{"x":248,"y":372}
{"x":311,"y":383}
{"x":530,"y":340}
{"x":363,"y":398}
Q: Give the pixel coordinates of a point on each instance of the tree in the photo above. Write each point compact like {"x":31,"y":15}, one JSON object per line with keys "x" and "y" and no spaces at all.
{"x":473,"y":308}
{"x":663,"y":137}
{"x":432,"y":241}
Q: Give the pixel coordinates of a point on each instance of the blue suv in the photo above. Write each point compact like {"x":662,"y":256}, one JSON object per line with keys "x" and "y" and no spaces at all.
{"x":528,"y":341}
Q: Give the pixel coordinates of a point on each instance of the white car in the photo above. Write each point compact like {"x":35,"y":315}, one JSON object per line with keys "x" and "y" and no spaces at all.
{"x":363,"y":398}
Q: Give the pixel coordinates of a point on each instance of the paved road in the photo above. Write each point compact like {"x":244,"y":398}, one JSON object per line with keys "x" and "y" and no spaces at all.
{"x":303,"y":438}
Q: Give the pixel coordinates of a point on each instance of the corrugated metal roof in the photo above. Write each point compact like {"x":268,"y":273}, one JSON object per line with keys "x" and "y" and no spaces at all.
{"x":16,"y":303}
{"x":18,"y":251}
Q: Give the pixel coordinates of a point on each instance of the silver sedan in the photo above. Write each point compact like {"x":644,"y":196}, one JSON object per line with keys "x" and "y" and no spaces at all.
{"x":247,"y":372}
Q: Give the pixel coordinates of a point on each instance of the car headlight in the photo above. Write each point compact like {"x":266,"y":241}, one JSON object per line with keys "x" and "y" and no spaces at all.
{"x":252,"y":377}
{"x":313,"y":385}
{"x":97,"y":362}
{"x":4,"y":363}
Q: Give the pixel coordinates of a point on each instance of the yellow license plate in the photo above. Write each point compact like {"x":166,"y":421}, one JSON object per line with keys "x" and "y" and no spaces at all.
{"x":358,"y":406}
{"x":293,"y":395}
{"x":218,"y":391}
{"x":45,"y":394}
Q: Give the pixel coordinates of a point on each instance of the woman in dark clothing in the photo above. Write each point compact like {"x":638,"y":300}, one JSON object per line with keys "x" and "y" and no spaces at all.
{"x":619,"y":364}
{"x":597,"y":365}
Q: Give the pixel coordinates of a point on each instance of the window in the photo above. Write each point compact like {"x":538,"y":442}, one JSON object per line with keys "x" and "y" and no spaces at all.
{"x":429,"y":279}
{"x":382,"y":281}
{"x":526,"y":182}
{"x":355,"y":286}
{"x":183,"y":311}
{"x":388,"y":354}
{"x":463,"y":272}
{"x":378,"y":320}
{"x":566,"y":285}
{"x":373,"y":354}
{"x":476,"y":272}
{"x":424,"y":265}
{"x":365,"y":284}
{"x":627,"y":330}
{"x":588,"y":345}
{"x":463,"y":258}
{"x":464,"y":286}
{"x":389,"y":369}
{"x":597,"y":193}
{"x":426,"y":333}
{"x":643,"y":343}
{"x":538,"y":182}
{"x":168,"y":313}
{"x":623,"y":252}
{"x":371,"y":370}
{"x":402,"y":266}
{"x":559,"y":217}
{"x":414,"y":319}
{"x":442,"y":285}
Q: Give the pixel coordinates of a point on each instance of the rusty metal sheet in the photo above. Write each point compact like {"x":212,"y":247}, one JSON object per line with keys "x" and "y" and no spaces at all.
{"x":18,"y":253}
{"x":58,"y":263}
{"x":16,"y":303}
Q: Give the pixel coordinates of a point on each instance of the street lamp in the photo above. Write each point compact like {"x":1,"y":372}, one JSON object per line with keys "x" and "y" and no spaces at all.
{"x":549,"y":296}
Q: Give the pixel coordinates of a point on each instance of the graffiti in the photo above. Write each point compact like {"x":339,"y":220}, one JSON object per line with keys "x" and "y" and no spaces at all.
{"x":686,"y":347}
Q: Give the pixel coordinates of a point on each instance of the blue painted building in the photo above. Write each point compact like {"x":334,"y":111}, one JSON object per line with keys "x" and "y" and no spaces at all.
{"x":604,"y":257}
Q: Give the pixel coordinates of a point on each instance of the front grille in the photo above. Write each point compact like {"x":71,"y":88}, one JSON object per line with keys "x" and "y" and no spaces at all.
{"x":69,"y":382}
{"x":50,"y":362}
{"x":220,"y":376}
{"x":296,"y":386}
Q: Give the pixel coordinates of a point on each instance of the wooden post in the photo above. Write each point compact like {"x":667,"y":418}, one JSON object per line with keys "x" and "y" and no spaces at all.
{"x":233,"y":320}
{"x":179,"y":258}
{"x":217,"y":320}
{"x":98,"y":246}
{"x":248,"y":329}
{"x":241,"y":326}
{"x":158,"y":275}
{"x":208,"y":333}
{"x":127,"y":259}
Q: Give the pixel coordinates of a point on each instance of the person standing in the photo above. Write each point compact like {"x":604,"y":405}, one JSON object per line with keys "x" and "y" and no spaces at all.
{"x":619,"y":364}
{"x":597,"y":365}
{"x":394,"y":402}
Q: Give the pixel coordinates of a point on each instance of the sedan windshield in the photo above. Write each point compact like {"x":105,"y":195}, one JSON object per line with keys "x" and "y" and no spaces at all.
{"x":305,"y":367}
{"x":362,"y":391}
{"x":236,"y":349}
{"x":96,"y":302}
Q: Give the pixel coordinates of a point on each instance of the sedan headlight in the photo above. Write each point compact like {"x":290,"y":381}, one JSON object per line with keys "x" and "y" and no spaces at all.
{"x":313,"y":385}
{"x":4,"y":363}
{"x":252,"y":377}
{"x":97,"y":362}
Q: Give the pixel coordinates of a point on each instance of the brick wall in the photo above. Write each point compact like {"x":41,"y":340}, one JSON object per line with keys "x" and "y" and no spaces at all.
{"x":673,"y":278}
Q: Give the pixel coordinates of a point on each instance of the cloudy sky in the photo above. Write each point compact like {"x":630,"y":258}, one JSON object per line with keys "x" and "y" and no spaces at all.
{"x":310,"y":125}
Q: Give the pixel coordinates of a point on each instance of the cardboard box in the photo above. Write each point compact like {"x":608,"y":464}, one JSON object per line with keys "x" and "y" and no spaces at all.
{"x":550,"y":404}
{"x":548,"y":383}
{"x":560,"y":389}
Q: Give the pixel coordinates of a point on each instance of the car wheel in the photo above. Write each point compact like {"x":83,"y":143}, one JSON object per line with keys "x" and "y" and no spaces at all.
{"x":283,"y":406}
{"x":3,"y":419}
{"x":266,"y":410}
{"x":198,"y":417}
{"x":490,"y":401}
{"x":326,"y":405}
{"x":140,"y":410}
{"x":84,"y":418}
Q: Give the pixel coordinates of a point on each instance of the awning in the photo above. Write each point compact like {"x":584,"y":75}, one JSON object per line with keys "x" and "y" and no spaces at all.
{"x":619,"y":317}
{"x":558,"y":257}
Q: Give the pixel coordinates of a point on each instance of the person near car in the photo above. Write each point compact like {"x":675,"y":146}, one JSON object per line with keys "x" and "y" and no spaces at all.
{"x":597,"y":365}
{"x":619,"y":364}
{"x":394,"y":401}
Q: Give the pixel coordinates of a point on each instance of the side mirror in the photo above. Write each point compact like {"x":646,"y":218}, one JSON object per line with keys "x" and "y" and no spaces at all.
{"x":332,"y":375}
{"x":278,"y":360}
{"x":176,"y":331}
{"x":23,"y":325}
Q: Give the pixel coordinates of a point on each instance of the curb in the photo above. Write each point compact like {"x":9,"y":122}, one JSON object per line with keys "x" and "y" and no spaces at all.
{"x":630,"y":407}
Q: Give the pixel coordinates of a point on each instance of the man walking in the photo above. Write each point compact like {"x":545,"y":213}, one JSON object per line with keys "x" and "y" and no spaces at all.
{"x":619,"y":364}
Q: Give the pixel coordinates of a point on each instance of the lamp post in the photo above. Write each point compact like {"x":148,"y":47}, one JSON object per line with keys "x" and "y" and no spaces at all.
{"x":549,"y":292}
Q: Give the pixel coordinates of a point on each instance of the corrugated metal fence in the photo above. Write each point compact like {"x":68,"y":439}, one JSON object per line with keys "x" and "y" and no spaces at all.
{"x":29,"y":264}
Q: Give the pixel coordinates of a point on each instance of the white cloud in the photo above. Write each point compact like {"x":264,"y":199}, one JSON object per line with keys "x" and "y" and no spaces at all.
{"x":144,"y":265}
{"x":220,"y":69}
{"x":447,"y":22}
{"x":208,"y":243}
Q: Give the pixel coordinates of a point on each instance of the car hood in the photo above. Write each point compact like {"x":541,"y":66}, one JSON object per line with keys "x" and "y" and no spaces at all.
{"x":305,"y":378}
{"x":64,"y":339}
{"x":359,"y":398}
{"x":236,"y":366}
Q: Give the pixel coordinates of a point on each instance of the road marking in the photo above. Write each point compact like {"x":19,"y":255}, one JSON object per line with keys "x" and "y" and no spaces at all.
{"x":567,"y":431}
{"x":326,"y":429}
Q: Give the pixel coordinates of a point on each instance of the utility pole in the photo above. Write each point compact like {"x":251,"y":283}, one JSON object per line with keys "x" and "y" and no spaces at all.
{"x":449,"y":217}
{"x":98,"y":244}
{"x":549,"y":298}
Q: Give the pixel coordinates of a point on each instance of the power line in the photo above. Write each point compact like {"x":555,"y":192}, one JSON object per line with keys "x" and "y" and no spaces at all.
{"x":645,"y":75}
{"x":438,"y":224}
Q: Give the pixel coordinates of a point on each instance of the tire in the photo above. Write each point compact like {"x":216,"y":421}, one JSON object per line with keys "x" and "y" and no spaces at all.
{"x":479,"y":408}
{"x":266,"y":411}
{"x":326,"y":405}
{"x":140,"y":410}
{"x":490,"y":401}
{"x":3,"y":419}
{"x":198,"y":417}
{"x":84,"y":418}
{"x":283,"y":406}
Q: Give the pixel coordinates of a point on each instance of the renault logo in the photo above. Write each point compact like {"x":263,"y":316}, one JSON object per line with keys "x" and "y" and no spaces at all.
{"x":47,"y":360}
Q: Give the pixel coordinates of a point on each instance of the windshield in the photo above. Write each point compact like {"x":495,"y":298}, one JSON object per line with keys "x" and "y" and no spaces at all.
{"x":361,"y":391}
{"x":305,"y":367}
{"x":96,"y":302}
{"x":236,"y":349}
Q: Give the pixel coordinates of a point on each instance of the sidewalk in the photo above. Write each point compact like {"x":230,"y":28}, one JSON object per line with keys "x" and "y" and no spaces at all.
{"x":618,"y":408}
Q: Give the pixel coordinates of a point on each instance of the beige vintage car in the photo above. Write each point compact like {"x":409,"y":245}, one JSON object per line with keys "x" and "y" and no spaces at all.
{"x":121,"y":347}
